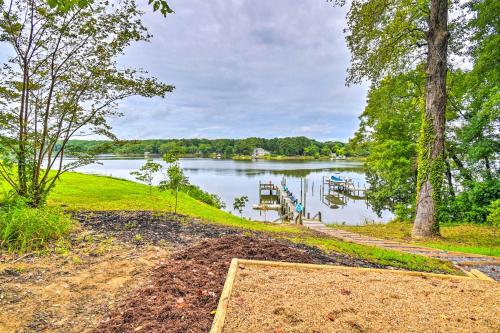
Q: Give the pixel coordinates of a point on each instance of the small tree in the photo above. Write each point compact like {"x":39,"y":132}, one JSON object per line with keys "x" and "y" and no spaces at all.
{"x":239,"y":204}
{"x":62,"y":80}
{"x":175,"y":178}
{"x":146,"y":173}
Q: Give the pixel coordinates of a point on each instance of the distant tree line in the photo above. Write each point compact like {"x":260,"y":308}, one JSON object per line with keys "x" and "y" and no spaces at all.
{"x":292,"y":146}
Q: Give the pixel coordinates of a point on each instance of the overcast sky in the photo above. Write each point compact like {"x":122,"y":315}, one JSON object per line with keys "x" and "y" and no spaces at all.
{"x":245,"y":68}
{"x":241,"y":68}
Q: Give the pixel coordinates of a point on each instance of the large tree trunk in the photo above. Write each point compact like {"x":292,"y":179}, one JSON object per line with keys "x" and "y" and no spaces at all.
{"x":431,"y":146}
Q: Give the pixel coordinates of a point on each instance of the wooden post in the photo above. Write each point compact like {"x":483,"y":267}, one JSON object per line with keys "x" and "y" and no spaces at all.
{"x":301,"y":181}
{"x":260,"y":192}
{"x":305,"y":196}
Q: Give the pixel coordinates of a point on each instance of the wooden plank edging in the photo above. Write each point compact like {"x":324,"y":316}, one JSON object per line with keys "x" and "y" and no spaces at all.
{"x":220,"y":313}
{"x":480,"y":275}
{"x":347,"y":268}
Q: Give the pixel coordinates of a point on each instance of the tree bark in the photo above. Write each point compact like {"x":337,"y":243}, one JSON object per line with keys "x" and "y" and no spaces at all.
{"x":449,"y":177}
{"x":431,"y":154}
{"x":488,"y":167}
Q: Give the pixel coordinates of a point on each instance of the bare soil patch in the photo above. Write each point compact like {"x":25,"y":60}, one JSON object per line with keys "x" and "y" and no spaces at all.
{"x":70,"y":292}
{"x":183,"y":291}
{"x":293,"y":300}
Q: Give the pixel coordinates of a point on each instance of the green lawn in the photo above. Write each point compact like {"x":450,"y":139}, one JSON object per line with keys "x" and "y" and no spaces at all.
{"x":89,"y":192}
{"x":78,"y":191}
{"x":469,"y":238}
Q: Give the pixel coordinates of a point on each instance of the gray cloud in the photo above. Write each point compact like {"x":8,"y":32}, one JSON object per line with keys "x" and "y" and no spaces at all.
{"x":245,"y":68}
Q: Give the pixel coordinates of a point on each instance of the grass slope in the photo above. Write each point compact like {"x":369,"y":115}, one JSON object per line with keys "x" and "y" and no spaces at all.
{"x":468,"y":238}
{"x":89,"y":192}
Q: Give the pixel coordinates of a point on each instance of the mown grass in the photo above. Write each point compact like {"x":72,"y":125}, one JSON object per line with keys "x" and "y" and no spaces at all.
{"x":468,"y":238}
{"x":89,"y":192}
{"x":378,"y":255}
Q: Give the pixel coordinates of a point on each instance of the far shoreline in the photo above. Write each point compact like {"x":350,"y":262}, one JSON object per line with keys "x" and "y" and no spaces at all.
{"x":233,"y":158}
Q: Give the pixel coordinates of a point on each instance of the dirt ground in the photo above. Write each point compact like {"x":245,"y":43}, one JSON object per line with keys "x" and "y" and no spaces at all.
{"x":70,"y":292}
{"x":298,"y":300}
{"x":135,"y":272}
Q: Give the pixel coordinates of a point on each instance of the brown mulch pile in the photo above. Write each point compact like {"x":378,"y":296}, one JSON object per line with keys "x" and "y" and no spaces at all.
{"x":183,"y":291}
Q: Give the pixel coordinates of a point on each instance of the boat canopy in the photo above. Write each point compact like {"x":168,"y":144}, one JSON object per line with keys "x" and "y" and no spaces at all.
{"x":336,"y":179}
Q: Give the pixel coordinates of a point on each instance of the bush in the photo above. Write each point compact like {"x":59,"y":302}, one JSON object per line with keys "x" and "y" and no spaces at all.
{"x":24,"y":229}
{"x":200,"y":195}
{"x":494,"y":216}
{"x":473,"y":205}
{"x":404,"y":212}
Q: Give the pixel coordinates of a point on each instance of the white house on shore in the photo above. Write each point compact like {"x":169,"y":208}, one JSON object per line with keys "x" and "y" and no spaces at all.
{"x":260,"y":152}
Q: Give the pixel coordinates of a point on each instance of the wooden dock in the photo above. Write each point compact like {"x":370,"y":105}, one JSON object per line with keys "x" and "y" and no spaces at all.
{"x":287,"y":206}
{"x":268,"y":189}
{"x":345,"y":186}
{"x":275,"y":197}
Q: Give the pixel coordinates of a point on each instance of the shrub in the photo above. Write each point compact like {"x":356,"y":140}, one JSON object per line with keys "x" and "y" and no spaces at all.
{"x":200,"y":195}
{"x":494,"y":216}
{"x":473,"y":204}
{"x":24,"y":229}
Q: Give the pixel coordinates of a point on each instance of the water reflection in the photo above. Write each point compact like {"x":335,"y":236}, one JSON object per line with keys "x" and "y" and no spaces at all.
{"x":230,"y":179}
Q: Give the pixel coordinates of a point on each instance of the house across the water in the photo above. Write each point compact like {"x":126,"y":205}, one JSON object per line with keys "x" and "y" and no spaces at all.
{"x":260,"y":152}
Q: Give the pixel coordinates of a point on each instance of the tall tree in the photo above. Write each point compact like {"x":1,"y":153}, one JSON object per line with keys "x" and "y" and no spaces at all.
{"x":480,"y":98}
{"x":392,"y":37}
{"x":431,"y":159}
{"x":62,"y":81}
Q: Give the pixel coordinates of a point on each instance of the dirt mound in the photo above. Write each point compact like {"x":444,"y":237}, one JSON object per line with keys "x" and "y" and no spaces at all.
{"x":183,"y":292}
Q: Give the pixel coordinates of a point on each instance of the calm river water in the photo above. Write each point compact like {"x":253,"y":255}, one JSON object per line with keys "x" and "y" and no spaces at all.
{"x":230,"y":179}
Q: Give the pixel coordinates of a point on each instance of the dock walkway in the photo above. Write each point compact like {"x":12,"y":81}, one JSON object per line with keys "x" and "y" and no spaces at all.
{"x":288,"y":207}
{"x":467,"y":262}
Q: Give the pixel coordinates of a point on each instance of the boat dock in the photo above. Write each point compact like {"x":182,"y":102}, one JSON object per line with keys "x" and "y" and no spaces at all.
{"x":279,"y":198}
{"x":268,"y":189}
{"x":345,"y":186}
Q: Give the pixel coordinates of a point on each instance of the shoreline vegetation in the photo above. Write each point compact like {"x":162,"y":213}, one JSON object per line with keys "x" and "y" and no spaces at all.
{"x":235,"y":157}
{"x":293,"y":158}
{"x":81,"y":192}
